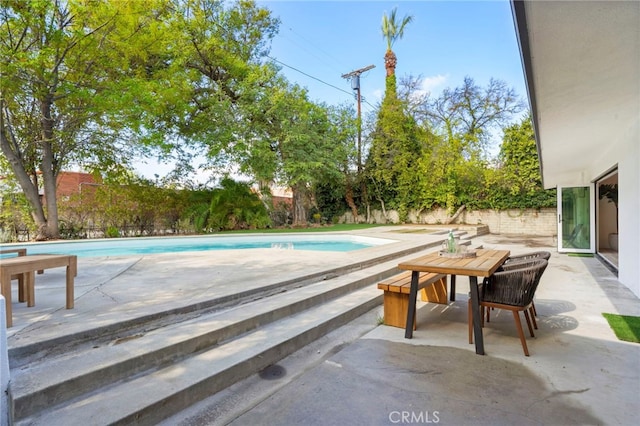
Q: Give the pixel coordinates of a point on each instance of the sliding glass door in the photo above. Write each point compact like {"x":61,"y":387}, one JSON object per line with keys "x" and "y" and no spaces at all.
{"x":576,"y":219}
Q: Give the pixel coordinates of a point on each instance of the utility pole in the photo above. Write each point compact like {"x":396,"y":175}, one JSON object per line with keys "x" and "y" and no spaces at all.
{"x":355,"y":85}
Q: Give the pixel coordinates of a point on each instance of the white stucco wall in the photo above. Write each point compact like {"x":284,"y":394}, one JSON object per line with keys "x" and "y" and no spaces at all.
{"x":629,"y":210}
{"x":4,"y":366}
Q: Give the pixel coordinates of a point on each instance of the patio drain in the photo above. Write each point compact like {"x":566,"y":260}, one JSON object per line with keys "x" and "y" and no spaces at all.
{"x":273,"y":372}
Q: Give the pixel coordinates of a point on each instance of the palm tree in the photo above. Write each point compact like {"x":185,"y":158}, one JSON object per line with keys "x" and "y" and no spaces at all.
{"x":392,"y":30}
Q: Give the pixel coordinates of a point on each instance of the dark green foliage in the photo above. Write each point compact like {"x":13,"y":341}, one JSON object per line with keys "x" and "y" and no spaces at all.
{"x":454,"y":166}
{"x":330,"y":199}
{"x":395,"y":152}
{"x":234,"y":206}
{"x":610,"y":192}
{"x":198,"y":207}
{"x":517,"y":182}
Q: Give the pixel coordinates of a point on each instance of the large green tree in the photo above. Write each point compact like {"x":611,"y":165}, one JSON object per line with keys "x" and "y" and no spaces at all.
{"x":70,"y":71}
{"x":466,"y":121}
{"x":292,"y":142}
{"x":222,"y":47}
{"x":95,"y":83}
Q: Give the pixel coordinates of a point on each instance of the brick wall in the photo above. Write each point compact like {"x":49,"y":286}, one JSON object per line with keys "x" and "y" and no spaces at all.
{"x":69,"y":182}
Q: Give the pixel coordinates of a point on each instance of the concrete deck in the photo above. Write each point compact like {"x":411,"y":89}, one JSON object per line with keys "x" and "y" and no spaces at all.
{"x":363,"y":373}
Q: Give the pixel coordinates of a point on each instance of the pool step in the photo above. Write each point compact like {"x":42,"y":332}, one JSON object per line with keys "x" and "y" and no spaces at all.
{"x":149,"y":376}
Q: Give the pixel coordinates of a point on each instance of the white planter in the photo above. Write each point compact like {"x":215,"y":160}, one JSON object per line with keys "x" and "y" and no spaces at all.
{"x":613,"y":242}
{"x":4,"y":367}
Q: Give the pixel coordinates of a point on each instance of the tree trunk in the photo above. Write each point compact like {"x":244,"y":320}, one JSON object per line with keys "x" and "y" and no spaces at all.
{"x":9,"y":148}
{"x":299,"y":210}
{"x":390,"y":62}
{"x":365,"y":199}
{"x":49,"y":173}
{"x":384,"y":211}
{"x":349,"y":199}
{"x":456,"y":214}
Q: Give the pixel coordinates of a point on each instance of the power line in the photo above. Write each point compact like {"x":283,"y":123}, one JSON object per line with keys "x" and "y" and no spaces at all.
{"x":310,"y":76}
{"x":321,"y":81}
{"x":299,"y":37}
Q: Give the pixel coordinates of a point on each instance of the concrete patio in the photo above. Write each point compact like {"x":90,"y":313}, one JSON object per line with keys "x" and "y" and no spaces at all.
{"x":362,"y":372}
{"x":578,"y":371}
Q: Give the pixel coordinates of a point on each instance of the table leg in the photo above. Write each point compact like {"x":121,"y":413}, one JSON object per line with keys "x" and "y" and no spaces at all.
{"x":475,"y":306}
{"x":411,"y":309}
{"x":5,"y":289}
{"x":452,"y":296}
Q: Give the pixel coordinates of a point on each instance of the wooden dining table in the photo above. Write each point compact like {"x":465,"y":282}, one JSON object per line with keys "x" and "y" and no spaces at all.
{"x":483,"y":264}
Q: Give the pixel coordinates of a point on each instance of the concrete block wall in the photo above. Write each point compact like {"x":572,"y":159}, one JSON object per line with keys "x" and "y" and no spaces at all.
{"x":523,"y":222}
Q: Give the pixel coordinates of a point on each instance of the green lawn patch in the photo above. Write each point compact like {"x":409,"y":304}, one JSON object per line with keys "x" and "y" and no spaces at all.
{"x":626,"y":327}
{"x":581,"y":254}
{"x":327,"y":228}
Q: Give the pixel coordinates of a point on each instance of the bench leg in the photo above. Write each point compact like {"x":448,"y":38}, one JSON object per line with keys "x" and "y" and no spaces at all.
{"x":395,"y":309}
{"x":72,"y":269}
{"x":435,"y":292}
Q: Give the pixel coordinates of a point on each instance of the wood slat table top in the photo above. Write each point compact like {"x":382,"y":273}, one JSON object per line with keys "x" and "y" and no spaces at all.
{"x":483,"y":265}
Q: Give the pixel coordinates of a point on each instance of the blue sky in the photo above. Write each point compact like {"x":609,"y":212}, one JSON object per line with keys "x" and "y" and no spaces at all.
{"x":446,"y":41}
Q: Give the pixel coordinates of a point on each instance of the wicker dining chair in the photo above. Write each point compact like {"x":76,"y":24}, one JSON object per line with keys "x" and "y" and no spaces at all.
{"x":516,"y":261}
{"x":512,"y":290}
{"x":528,"y":256}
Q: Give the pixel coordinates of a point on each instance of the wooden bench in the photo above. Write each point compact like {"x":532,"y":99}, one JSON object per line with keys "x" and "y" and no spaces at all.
{"x":26,"y":266}
{"x":432,"y":286}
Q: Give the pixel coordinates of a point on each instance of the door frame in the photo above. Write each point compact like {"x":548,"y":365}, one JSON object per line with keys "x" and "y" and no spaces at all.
{"x":609,"y":255}
{"x":591,"y":225}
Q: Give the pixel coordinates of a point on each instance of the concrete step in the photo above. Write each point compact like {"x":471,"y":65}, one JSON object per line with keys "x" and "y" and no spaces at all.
{"x":52,"y":386}
{"x":27,"y":351}
{"x":470,"y":231}
{"x":457,"y":233}
{"x":151,"y":397}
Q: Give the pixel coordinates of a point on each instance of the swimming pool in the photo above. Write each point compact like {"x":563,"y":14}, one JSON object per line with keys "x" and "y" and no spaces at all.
{"x":153,"y":245}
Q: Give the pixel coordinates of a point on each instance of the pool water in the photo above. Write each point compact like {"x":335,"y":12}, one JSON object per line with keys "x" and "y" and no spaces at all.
{"x":154,"y":245}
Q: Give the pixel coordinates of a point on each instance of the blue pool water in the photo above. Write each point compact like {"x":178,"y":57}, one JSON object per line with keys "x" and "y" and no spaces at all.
{"x":152,"y":245}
